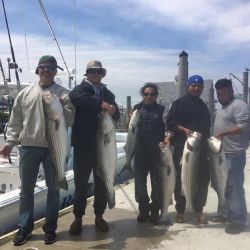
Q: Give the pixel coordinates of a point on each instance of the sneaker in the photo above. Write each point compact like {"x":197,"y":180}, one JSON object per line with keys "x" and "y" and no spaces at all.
{"x":21,"y":237}
{"x":101,"y":224}
{"x":49,"y":237}
{"x":142,"y":217}
{"x":201,"y":218}
{"x":235,"y":228}
{"x":76,"y":227}
{"x":179,"y":218}
{"x":154,"y":216}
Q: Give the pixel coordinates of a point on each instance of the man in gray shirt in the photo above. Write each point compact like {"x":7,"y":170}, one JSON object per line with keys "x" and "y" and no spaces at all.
{"x":232,"y":127}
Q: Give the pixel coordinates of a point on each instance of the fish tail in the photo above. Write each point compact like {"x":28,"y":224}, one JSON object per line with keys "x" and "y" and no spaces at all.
{"x":63,"y":184}
{"x":111,"y":199}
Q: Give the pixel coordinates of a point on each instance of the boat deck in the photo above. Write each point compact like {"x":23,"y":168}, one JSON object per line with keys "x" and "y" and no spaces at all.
{"x":126,"y":233}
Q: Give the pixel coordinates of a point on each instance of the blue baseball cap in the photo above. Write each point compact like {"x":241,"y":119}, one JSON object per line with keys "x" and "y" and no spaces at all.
{"x":195,"y":79}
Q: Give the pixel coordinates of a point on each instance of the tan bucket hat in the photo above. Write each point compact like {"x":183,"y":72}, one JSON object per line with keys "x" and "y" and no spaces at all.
{"x":95,"y":65}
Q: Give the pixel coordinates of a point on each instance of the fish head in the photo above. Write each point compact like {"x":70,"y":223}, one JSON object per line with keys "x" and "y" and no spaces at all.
{"x":214,"y":145}
{"x":134,"y":119}
{"x":161,"y":145}
{"x":105,"y":123}
{"x":193,"y":141}
{"x":165,"y":154}
{"x":47,"y":97}
{"x":52,"y":106}
{"x":196,"y":135}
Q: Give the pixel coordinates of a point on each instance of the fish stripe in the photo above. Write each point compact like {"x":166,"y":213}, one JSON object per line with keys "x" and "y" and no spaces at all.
{"x":106,"y":155}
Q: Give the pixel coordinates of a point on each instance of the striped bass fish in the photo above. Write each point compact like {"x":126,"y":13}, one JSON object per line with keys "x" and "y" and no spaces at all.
{"x":56,"y":134}
{"x":219,"y":171}
{"x":106,"y":154}
{"x":189,"y":164}
{"x":131,"y":142}
{"x":167,"y":181}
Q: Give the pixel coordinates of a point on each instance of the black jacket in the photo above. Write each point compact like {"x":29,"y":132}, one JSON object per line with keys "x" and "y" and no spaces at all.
{"x":190,"y":112}
{"x":87,"y":106}
{"x":151,"y":126}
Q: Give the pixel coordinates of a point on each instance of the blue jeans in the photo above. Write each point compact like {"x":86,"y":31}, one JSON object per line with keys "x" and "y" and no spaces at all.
{"x":30,"y":160}
{"x":235,"y":194}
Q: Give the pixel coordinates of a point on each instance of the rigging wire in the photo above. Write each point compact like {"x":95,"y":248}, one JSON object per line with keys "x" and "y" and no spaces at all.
{"x":4,"y":75}
{"x":54,"y":37}
{"x":25,"y":39}
{"x":234,"y":85}
{"x":12,"y":51}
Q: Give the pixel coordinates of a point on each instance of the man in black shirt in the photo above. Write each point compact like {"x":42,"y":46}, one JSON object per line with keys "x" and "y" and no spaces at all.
{"x":186,"y":115}
{"x":90,"y":98}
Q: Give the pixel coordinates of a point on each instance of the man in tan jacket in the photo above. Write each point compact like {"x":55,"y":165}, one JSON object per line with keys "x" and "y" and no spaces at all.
{"x":26,"y":128}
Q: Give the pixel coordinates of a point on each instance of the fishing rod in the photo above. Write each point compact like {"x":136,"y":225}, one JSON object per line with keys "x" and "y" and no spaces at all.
{"x":75,"y":37}
{"x":53,"y":34}
{"x":14,"y":64}
{"x":10,"y":104}
{"x":244,"y":83}
{"x":231,"y":74}
{"x":4,"y":79}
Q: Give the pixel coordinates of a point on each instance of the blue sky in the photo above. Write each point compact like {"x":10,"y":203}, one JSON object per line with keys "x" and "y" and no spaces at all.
{"x":137,"y":41}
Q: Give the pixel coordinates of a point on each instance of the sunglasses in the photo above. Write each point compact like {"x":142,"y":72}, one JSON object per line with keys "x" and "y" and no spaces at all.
{"x":149,"y":94}
{"x":95,"y":71}
{"x":49,"y":67}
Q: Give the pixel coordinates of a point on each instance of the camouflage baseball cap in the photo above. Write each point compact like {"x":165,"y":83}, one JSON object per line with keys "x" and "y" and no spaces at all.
{"x":49,"y":60}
